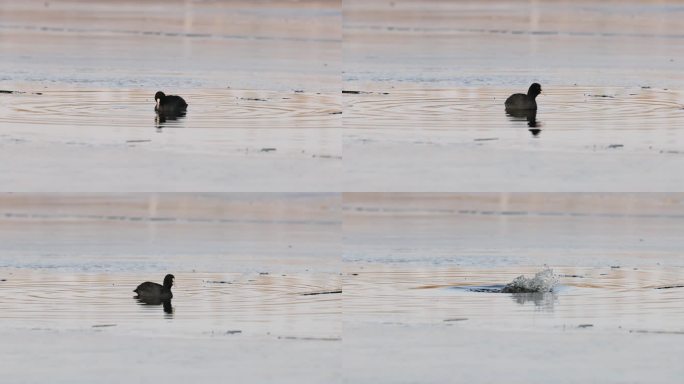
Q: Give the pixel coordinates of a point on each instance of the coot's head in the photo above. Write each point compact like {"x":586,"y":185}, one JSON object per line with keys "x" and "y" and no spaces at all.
{"x":534,"y":90}
{"x":159,"y":95}
{"x":168,"y":281}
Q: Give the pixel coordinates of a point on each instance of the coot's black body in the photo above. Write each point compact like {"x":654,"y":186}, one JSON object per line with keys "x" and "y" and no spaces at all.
{"x":154,"y":291}
{"x":520,"y":101}
{"x":169,"y":105}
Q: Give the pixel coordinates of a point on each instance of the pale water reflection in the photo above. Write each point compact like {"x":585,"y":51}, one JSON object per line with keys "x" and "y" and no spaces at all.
{"x":250,"y":270}
{"x":431,"y":78}
{"x":608,"y":298}
{"x":270,"y":141}
{"x":162,"y":118}
{"x":166,"y":304}
{"x":78,"y":80}
{"x":594,"y":138}
{"x":280,"y":304}
{"x":416,"y":258}
{"x":530,"y":116}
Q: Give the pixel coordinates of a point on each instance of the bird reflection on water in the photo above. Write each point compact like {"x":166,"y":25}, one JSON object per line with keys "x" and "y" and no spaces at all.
{"x":542,"y":300}
{"x":529,"y":115}
{"x":163,"y":118}
{"x":166,"y":304}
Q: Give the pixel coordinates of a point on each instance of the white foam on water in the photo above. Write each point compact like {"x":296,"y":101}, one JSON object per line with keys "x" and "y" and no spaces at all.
{"x":543,"y":281}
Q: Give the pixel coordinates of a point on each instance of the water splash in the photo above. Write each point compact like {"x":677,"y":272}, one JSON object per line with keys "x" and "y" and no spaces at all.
{"x":543,"y":281}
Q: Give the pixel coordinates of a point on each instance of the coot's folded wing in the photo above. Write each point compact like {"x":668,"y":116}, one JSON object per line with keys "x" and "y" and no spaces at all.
{"x":148,"y":287}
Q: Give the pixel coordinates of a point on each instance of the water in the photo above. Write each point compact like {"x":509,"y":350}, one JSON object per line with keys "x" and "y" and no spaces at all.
{"x":131,"y":149}
{"x":620,"y":300}
{"x":145,"y":233}
{"x":594,"y":312}
{"x":262,"y":82}
{"x":469,"y":44}
{"x":330,"y":282}
{"x":111,"y":109}
{"x":179,"y":45}
{"x":436,"y":76}
{"x":341,"y":287}
{"x":257,"y":277}
{"x":427,"y":270}
{"x":564,"y":110}
{"x":513,"y":230}
{"x":251,"y":261}
{"x":428,"y":258}
{"x":463,"y":140}
{"x":253,"y":303}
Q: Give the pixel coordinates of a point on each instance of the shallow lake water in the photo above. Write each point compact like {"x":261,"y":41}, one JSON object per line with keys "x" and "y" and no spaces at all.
{"x":581,"y":138}
{"x":79,"y":257}
{"x":432,"y":79}
{"x":175,"y":44}
{"x":332,"y":287}
{"x":261,"y":81}
{"x":343,"y":98}
{"x":294,"y":306}
{"x":257,"y":291}
{"x":449,"y":44}
{"x":259,"y":138}
{"x":416,"y":265}
{"x":103,"y":110}
{"x":621,"y":324}
{"x":615,"y":299}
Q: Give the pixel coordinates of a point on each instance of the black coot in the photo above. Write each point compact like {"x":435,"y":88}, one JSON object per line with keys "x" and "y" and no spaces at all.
{"x":169,"y":105}
{"x":520,"y":101}
{"x":154,"y":291}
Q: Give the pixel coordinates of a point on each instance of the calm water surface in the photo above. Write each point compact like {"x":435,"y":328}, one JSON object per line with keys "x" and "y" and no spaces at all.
{"x":229,"y":140}
{"x":280,"y":304}
{"x":569,"y":120}
{"x":436,"y":74}
{"x":84,"y":76}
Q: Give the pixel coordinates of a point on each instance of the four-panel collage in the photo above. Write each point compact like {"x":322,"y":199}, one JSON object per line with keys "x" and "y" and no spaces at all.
{"x":341,"y":191}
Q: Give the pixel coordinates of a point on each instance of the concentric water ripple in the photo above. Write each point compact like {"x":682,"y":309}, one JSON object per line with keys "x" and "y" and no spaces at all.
{"x":135,"y":108}
{"x":563,"y":108}
{"x":259,"y":301}
{"x":606,"y":297}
